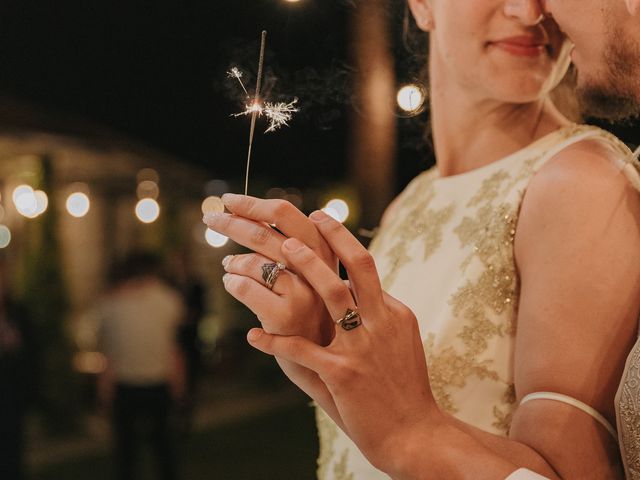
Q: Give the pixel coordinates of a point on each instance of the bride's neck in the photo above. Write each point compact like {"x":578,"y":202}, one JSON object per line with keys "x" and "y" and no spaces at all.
{"x":470,"y":133}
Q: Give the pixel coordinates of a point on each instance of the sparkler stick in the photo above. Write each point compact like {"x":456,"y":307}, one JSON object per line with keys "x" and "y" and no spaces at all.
{"x":254,"y":114}
{"x":277,"y":113}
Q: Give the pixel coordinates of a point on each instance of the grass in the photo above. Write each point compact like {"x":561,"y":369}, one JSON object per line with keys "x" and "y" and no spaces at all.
{"x":280,"y":445}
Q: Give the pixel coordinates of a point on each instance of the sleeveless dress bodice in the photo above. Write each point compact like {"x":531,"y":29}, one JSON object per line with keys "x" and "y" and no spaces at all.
{"x":445,"y":249}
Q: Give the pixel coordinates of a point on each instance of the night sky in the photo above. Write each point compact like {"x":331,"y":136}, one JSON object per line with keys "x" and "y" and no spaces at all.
{"x":155,"y":71}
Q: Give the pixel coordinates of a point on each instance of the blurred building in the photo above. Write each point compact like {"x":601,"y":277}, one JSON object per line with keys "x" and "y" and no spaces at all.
{"x":93,"y":179}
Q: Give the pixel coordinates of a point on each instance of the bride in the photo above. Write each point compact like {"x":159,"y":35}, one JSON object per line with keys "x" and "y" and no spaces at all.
{"x":486,"y":329}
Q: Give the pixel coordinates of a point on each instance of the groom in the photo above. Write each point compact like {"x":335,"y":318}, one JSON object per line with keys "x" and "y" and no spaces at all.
{"x":606,"y":34}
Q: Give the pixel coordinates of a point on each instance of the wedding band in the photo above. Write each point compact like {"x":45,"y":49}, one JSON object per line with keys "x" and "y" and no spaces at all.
{"x":270,"y":272}
{"x":350,"y":320}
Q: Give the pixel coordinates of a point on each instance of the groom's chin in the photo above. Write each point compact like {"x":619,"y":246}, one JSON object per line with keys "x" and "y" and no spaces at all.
{"x":609,"y":102}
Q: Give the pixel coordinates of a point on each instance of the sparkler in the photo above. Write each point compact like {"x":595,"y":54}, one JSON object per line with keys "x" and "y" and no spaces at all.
{"x":278,"y":114}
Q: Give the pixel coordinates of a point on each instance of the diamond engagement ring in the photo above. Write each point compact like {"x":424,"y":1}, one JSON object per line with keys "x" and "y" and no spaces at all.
{"x":270,"y":272}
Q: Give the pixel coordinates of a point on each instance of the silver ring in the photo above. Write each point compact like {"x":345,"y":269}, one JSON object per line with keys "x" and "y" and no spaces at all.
{"x":270,"y":272}
{"x":350,"y":320}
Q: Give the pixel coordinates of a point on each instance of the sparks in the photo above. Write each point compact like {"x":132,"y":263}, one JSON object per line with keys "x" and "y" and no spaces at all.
{"x":279,"y":114}
{"x":237,"y":74}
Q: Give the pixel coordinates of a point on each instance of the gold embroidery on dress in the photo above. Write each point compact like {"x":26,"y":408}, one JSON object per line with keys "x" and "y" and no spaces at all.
{"x":340,"y":471}
{"x":449,"y":368}
{"x":489,"y":236}
{"x":421,"y":222}
{"x":505,"y":416}
{"x":327,"y":433}
{"x":489,"y":188}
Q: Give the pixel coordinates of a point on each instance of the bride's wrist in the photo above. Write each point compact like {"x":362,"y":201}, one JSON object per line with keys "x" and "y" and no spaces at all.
{"x":410,"y":455}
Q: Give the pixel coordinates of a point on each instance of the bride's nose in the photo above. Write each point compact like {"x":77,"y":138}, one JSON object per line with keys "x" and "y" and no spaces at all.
{"x":529,"y":12}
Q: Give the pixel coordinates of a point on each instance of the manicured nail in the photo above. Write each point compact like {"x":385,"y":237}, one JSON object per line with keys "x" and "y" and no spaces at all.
{"x":226,"y":260}
{"x":230,"y":198}
{"x":293,"y":244}
{"x":211,"y":217}
{"x":225,"y":278}
{"x":318,"y":216}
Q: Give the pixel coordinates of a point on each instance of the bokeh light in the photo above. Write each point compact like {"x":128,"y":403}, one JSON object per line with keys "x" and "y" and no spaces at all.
{"x":212,"y":204}
{"x":78,"y":204}
{"x":410,"y":98}
{"x":42,"y":202}
{"x":338,"y":209}
{"x":148,"y":174}
{"x":5,"y":236}
{"x":147,"y":189}
{"x":20,"y":190}
{"x":24,"y":198}
{"x":215,"y":239}
{"x":147,"y":210}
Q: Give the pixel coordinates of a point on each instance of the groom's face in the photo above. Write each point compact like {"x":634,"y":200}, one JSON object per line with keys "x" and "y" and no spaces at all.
{"x":607,"y":53}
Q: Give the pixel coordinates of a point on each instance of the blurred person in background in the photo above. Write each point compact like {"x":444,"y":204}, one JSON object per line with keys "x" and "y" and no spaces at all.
{"x":17,"y":382}
{"x":194,"y":293}
{"x":144,"y":379}
{"x":188,"y":338}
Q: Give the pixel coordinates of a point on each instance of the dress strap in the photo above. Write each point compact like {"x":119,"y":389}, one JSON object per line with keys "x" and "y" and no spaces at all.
{"x":558,"y":397}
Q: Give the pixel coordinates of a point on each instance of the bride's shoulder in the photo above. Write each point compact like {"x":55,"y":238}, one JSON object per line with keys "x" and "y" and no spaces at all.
{"x":584,"y":190}
{"x":586,"y":174}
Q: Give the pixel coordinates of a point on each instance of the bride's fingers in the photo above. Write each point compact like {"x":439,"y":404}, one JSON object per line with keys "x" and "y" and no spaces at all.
{"x":358,"y":262}
{"x":285,"y":216}
{"x":295,"y":349}
{"x":257,"y":267}
{"x":256,"y":236}
{"x":334,"y":292}
{"x":260,"y":300}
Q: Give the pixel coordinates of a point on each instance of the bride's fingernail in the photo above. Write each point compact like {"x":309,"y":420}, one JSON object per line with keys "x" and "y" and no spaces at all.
{"x":254,"y":334}
{"x":211,"y":217}
{"x":226,"y":260}
{"x":229,"y":198}
{"x":293,"y":244}
{"x":225,"y":278}
{"x":318,"y":216}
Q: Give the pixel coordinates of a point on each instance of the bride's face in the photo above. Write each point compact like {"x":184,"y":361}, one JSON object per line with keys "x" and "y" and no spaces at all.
{"x":500,"y":49}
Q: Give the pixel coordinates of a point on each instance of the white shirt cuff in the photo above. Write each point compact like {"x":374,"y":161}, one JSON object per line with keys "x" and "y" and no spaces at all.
{"x":524,"y":474}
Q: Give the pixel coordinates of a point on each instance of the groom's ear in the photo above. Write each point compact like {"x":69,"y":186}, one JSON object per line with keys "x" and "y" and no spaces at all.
{"x":633,"y":6}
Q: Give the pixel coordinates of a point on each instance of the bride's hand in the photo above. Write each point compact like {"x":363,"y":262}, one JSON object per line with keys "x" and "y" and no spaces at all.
{"x":376,"y":372}
{"x":292,"y":307}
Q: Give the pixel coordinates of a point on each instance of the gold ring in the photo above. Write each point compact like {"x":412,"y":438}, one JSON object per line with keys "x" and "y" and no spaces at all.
{"x":350,"y":320}
{"x":270,"y":272}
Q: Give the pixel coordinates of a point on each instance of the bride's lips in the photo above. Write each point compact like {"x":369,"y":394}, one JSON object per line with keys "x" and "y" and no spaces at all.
{"x":522,"y":45}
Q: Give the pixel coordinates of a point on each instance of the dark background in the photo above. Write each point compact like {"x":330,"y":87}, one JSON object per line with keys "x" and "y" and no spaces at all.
{"x":156,"y":71}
